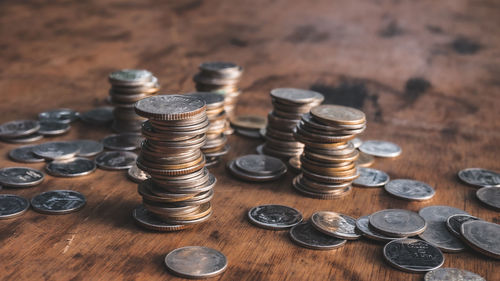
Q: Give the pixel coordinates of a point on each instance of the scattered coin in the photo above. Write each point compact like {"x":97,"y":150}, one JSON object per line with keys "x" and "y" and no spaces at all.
{"x":255,"y":167}
{"x":336,"y":225}
{"x":12,"y":206}
{"x":98,"y":116}
{"x":454,"y":223}
{"x":20,"y":177}
{"x":149,"y":220}
{"x":126,"y":141}
{"x":88,"y":148}
{"x":452,"y":274}
{"x":410,"y":189}
{"x":196,"y":262}
{"x":116,"y":160}
{"x":51,"y":128}
{"x":371,"y":178}
{"x":73,"y":167}
{"x":305,"y":235}
{"x":363,"y":225}
{"x":24,"y":139}
{"x":61,"y":115}
{"x":380,"y":148}
{"x":479,"y":177}
{"x":489,"y":196}
{"x":25,"y":154}
{"x":413,"y":255}
{"x":18,"y":128}
{"x":364,"y":160}
{"x":436,"y":232}
{"x":58,"y":202}
{"x":276,"y":217}
{"x":398,"y":222}
{"x":137,"y":175}
{"x":56,"y":150}
{"x":483,"y":237}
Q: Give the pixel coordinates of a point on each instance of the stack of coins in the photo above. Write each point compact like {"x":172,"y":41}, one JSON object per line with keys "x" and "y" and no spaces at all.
{"x":327,"y":163}
{"x":180,"y":188}
{"x":216,"y":144}
{"x":127,"y":87}
{"x":221,"y":78}
{"x":288,"y":106}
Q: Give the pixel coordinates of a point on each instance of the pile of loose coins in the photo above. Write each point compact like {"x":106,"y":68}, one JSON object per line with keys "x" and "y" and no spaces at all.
{"x":327,"y":163}
{"x":257,"y":168}
{"x":127,"y":87}
{"x":179,"y":191}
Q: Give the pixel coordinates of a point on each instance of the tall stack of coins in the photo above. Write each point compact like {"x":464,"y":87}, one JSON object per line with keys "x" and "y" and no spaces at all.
{"x":216,"y":144}
{"x":222,"y":78}
{"x":180,"y":188}
{"x":289,"y":105}
{"x":127,"y":87}
{"x":327,"y":163}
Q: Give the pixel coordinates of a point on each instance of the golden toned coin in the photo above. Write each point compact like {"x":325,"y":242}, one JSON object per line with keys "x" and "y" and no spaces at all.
{"x":364,"y":160}
{"x":335,"y":224}
{"x":337,"y":114}
{"x":249,"y":122}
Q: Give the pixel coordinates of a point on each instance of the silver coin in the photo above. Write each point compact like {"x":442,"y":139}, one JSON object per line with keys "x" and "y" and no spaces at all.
{"x":483,"y":237}
{"x":261,"y":165}
{"x":489,"y":196}
{"x":479,"y":177}
{"x":363,"y":225}
{"x":397,"y":222}
{"x":98,"y":116}
{"x":380,"y":148}
{"x":452,"y":274}
{"x":88,"y":148}
{"x":20,"y":177}
{"x":148,"y":220}
{"x":25,"y":154}
{"x":58,"y":202}
{"x":50,"y":128}
{"x":305,"y":235}
{"x":24,"y":139}
{"x":413,"y":255}
{"x":357,"y":142}
{"x":275,"y":217}
{"x":18,"y":128}
{"x":137,"y":175}
{"x":126,"y":141}
{"x":130,"y":77}
{"x":12,"y":206}
{"x":196,"y":262}
{"x":296,"y":96}
{"x":371,"y":177}
{"x":73,"y":167}
{"x":436,"y":232}
{"x":116,"y":160}
{"x":336,"y":225}
{"x":252,"y":177}
{"x":61,"y":115}
{"x":454,"y":223}
{"x":56,"y":150}
{"x":410,"y":189}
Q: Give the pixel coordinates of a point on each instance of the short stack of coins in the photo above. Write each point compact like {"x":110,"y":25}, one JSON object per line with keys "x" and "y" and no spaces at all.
{"x":289,"y":105}
{"x":127,"y":87}
{"x":327,"y":164}
{"x":221,"y":78}
{"x":216,"y":144}
{"x":180,"y":188}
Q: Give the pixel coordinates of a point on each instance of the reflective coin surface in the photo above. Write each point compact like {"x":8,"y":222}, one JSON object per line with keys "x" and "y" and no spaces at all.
{"x":479,"y":177}
{"x":127,"y":141}
{"x":169,"y":107}
{"x":398,"y":222}
{"x":274,"y":216}
{"x":296,"y":96}
{"x":58,"y":202}
{"x":437,"y":233}
{"x":196,"y":262}
{"x":260,"y":164}
{"x":305,"y":235}
{"x":61,"y":115}
{"x":137,"y":175}
{"x":410,"y":189}
{"x":24,"y":139}
{"x":50,"y":128}
{"x":98,"y":116}
{"x":454,"y":223}
{"x":150,"y":221}
{"x":338,"y":114}
{"x":483,"y":237}
{"x":25,"y":154}
{"x":12,"y":206}
{"x":20,"y":177}
{"x":254,"y":122}
{"x":18,"y":128}
{"x":363,"y":225}
{"x":371,"y":178}
{"x":452,"y":274}
{"x":116,"y":160}
{"x":380,"y":148}
{"x":489,"y":196}
{"x":130,"y":76}
{"x":73,"y":167}
{"x":56,"y":150}
{"x":336,"y":225}
{"x":413,"y":255}
{"x":357,"y":142}
{"x":88,"y":148}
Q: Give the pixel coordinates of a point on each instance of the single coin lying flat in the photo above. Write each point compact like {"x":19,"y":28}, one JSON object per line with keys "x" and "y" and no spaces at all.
{"x":276,"y":217}
{"x":196,"y":262}
{"x":58,"y":202}
{"x":413,"y":255}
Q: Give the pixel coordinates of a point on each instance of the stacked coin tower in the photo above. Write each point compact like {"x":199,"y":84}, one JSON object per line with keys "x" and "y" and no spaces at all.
{"x":221,"y":78}
{"x":288,"y":106}
{"x":327,"y":163}
{"x":216,"y":144}
{"x":127,"y":87}
{"x":180,"y":188}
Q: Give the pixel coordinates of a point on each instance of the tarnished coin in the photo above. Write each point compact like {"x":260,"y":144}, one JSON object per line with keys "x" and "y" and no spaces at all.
{"x":58,"y":202}
{"x":254,"y":122}
{"x":73,"y":167}
{"x":454,"y":223}
{"x":296,"y":96}
{"x":452,"y":274}
{"x":61,"y":115}
{"x":398,"y":222}
{"x":261,"y":165}
{"x":12,"y":206}
{"x":410,"y":189}
{"x":51,"y":128}
{"x":305,"y":235}
{"x":275,"y":217}
{"x":116,"y":160}
{"x":357,"y":142}
{"x":149,"y":220}
{"x":412,"y":255}
{"x":479,"y":177}
{"x":20,"y":177}
{"x":18,"y":128}
{"x":436,"y":232}
{"x":137,"y":175}
{"x":363,"y":225}
{"x":88,"y":148}
{"x":126,"y":141}
{"x":337,"y":114}
{"x":483,"y":237}
{"x":371,"y":178}
{"x":489,"y":196}
{"x":364,"y":160}
{"x":336,"y":225}
{"x":56,"y":150}
{"x":25,"y":154}
{"x":130,"y":77}
{"x":169,"y":107}
{"x":98,"y":116}
{"x":196,"y":262}
{"x":380,"y":148}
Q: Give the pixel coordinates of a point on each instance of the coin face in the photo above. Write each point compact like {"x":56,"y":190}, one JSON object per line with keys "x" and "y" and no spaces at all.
{"x":380,"y":148}
{"x":58,"y":202}
{"x":169,"y":107}
{"x":25,"y":154}
{"x":413,"y":255}
{"x":336,"y":225}
{"x":305,"y":235}
{"x":148,"y":220}
{"x":73,"y":167}
{"x":219,"y":66}
{"x":483,"y":237}
{"x":260,"y":164}
{"x":454,"y":223}
{"x":88,"y":148}
{"x":130,"y":76}
{"x":253,"y":122}
{"x":20,"y":177}
{"x":52,"y":128}
{"x":479,"y":177}
{"x":276,"y":217}
{"x":338,"y":114}
{"x":56,"y":150}
{"x":371,"y":178}
{"x":410,"y":189}
{"x":196,"y":262}
{"x":18,"y":128}
{"x":436,"y":232}
{"x":126,"y":141}
{"x":398,"y":222}
{"x":98,"y":116}
{"x":363,"y":225}
{"x":299,"y":96}
{"x":61,"y":115}
{"x":489,"y":196}
{"x":237,"y":172}
{"x":12,"y":206}
{"x":116,"y":160}
{"x":452,"y":274}
{"x":137,"y":175}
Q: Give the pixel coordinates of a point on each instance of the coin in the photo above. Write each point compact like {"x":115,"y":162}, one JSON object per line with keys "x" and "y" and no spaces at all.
{"x":61,"y":115}
{"x":88,"y":148}
{"x":116,"y":160}
{"x":235,"y":171}
{"x":254,"y":134}
{"x":364,"y":160}
{"x":296,"y":96}
{"x":276,"y":217}
{"x":357,"y":142}
{"x":436,"y":232}
{"x":52,"y":128}
{"x":452,"y":274}
{"x":12,"y":206}
{"x":25,"y":154}
{"x":479,"y":177}
{"x":196,"y":262}
{"x":56,"y":150}
{"x":169,"y":107}
{"x":18,"y":128}
{"x":337,"y":114}
{"x":98,"y":116}
{"x":125,"y":141}
{"x":148,"y":220}
{"x":305,"y":235}
{"x":20,"y":177}
{"x":412,"y":255}
{"x":398,"y":222}
{"x":253,"y":122}
{"x":137,"y":175}
{"x":410,"y":189}
{"x":24,"y":139}
{"x":371,"y":178}
{"x":130,"y":76}
{"x":483,"y":237}
{"x":380,"y":148}
{"x":336,"y":225}
{"x":58,"y":202}
{"x":260,"y":165}
{"x":295,"y":164}
{"x":363,"y":225}
{"x":454,"y":223}
{"x":489,"y":196}
{"x":73,"y":167}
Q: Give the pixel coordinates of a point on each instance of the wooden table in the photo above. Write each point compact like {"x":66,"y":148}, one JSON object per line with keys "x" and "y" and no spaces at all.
{"x":426,"y":73}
